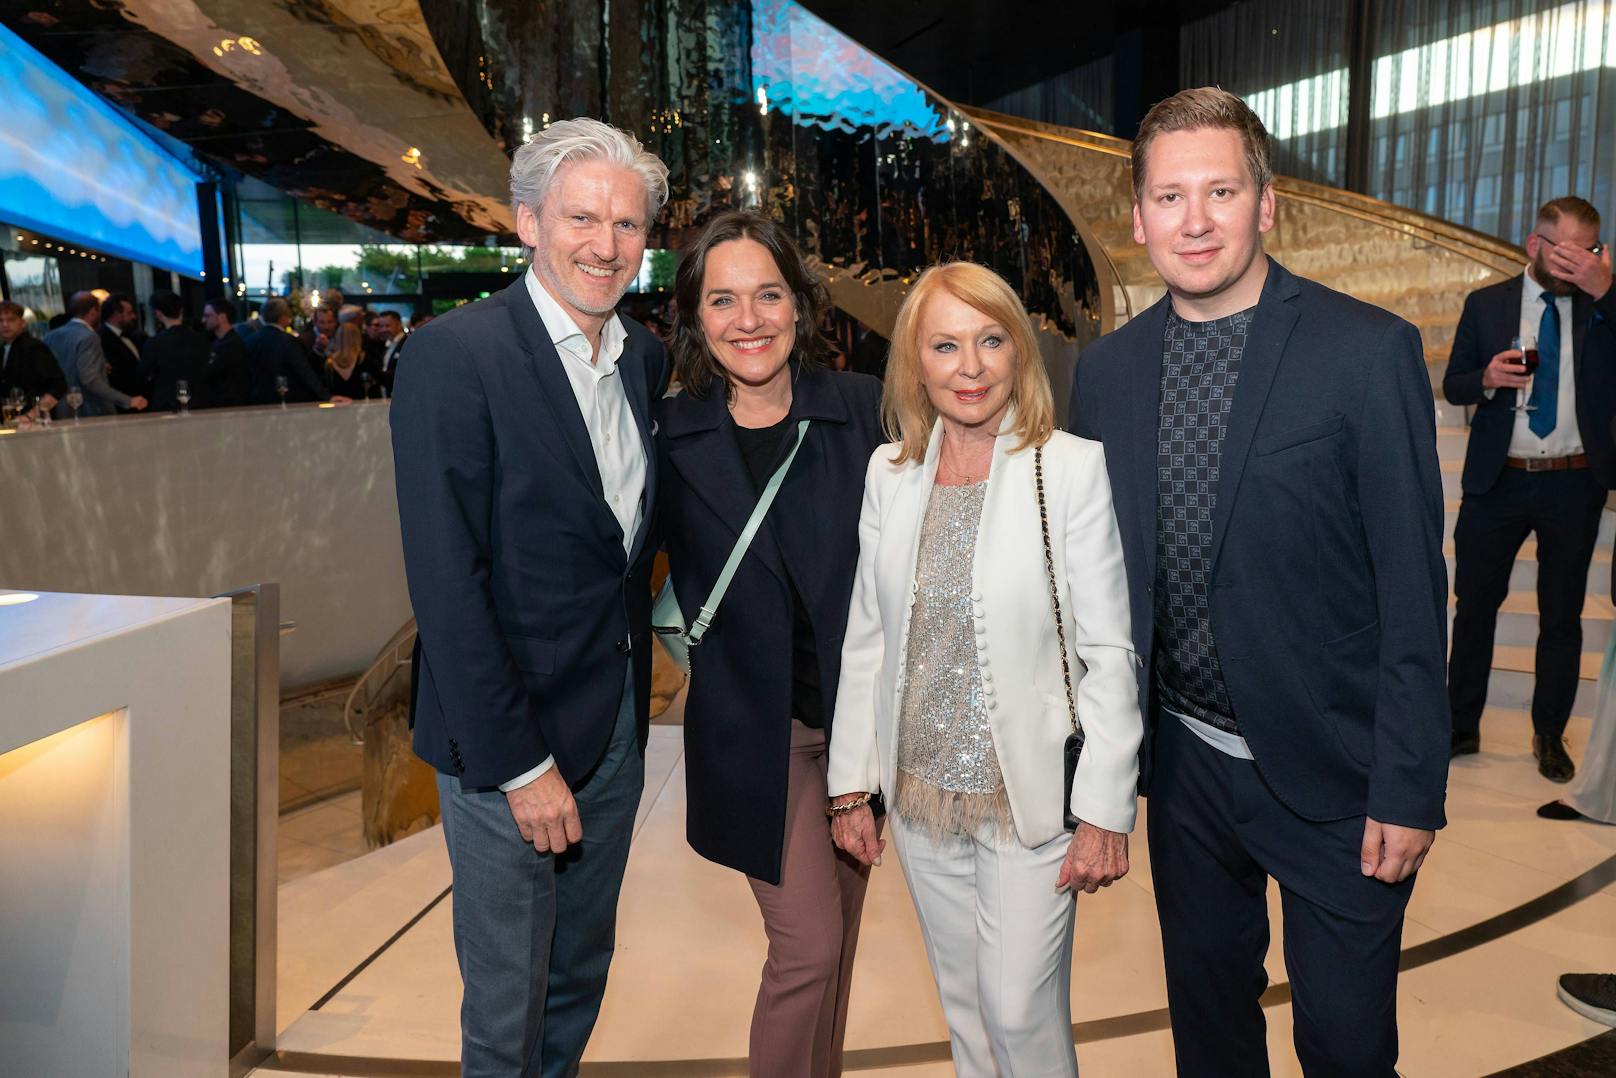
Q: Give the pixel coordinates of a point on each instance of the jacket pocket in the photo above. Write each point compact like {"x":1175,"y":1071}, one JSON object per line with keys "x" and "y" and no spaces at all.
{"x":532,"y":655}
{"x":1297,"y":436}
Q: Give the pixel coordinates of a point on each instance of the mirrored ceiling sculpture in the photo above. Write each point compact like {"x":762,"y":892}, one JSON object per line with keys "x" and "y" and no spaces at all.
{"x":761,"y":104}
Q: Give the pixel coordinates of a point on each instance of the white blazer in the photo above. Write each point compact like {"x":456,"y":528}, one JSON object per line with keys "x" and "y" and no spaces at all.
{"x":1016,"y":646}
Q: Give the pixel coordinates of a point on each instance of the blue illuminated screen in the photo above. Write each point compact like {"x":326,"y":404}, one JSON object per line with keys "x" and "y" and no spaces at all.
{"x":72,"y":167}
{"x":822,"y":78}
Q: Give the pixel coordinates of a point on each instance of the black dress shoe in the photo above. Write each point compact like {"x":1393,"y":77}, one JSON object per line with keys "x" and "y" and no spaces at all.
{"x":1553,"y":762}
{"x":1464,"y":744}
{"x":1592,"y":995}
{"x":1558,"y":810}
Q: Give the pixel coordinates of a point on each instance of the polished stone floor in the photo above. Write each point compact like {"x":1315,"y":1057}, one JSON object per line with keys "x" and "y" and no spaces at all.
{"x":368,"y":984}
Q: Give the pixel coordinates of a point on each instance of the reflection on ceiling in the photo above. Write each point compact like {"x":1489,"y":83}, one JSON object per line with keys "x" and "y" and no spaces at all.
{"x":293,"y":93}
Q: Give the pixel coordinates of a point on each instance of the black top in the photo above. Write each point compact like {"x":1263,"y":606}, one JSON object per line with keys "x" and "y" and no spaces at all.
{"x":27,"y":364}
{"x":229,"y":372}
{"x":354,"y":386}
{"x":1200,"y":369}
{"x":763,"y":448}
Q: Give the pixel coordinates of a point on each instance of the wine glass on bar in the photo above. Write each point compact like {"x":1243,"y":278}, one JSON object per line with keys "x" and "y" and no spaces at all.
{"x":282,"y":387}
{"x":364,"y":380}
{"x":75,"y":401}
{"x":182,"y":393}
{"x":1527,"y":346}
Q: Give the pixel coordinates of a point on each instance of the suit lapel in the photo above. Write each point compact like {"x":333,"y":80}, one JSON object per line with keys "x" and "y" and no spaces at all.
{"x":1265,"y":347}
{"x":631,"y":371}
{"x":556,"y":387}
{"x":706,"y":451}
{"x":1143,"y":435}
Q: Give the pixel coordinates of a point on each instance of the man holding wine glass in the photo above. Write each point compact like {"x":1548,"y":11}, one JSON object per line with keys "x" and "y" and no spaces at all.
{"x":1536,"y":356}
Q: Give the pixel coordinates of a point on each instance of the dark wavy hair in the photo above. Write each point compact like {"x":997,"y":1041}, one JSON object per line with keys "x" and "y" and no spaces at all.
{"x":691,"y":357}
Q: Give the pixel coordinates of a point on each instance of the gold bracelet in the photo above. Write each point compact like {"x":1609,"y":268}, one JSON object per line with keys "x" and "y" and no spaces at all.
{"x":842,"y":809}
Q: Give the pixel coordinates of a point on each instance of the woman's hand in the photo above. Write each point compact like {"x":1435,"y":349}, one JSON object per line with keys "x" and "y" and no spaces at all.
{"x":854,"y":831}
{"x":1096,"y":858}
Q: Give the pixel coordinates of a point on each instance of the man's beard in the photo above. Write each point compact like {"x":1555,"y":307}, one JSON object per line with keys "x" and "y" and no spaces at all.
{"x":588,"y":306}
{"x":1553,"y":285}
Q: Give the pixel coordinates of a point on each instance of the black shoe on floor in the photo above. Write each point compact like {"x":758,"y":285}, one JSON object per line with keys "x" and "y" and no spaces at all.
{"x":1592,"y":995}
{"x":1558,"y":810}
{"x":1464,"y":744}
{"x":1553,"y":762}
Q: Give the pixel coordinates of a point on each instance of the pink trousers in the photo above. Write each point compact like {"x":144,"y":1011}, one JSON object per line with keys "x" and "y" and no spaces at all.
{"x":812,"y":921}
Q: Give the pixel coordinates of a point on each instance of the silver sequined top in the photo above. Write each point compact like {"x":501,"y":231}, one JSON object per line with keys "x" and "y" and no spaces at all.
{"x":948,"y":773}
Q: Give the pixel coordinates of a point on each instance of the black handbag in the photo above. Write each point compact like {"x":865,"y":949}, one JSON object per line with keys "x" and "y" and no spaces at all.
{"x":1074,"y":740}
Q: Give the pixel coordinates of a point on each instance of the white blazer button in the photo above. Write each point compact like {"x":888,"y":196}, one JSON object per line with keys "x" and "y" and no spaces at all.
{"x":993,"y":704}
{"x":976,"y":597}
{"x":981,"y":629}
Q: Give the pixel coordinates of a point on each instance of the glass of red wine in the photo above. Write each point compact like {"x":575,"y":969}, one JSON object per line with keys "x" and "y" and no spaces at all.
{"x":1527,"y":346}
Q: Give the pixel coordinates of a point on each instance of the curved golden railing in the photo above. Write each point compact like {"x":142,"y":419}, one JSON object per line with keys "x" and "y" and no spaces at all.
{"x":1417,"y":266}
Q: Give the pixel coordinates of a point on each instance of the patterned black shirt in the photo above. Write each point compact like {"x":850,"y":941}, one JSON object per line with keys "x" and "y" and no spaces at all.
{"x":1200,"y":368}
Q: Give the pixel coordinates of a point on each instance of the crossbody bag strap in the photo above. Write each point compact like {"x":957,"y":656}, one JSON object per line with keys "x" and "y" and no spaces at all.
{"x":709,"y":609}
{"x":1054,"y":590}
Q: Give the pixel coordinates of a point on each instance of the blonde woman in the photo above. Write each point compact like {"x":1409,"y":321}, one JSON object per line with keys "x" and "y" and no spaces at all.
{"x":348,"y":371}
{"x":957,"y":685}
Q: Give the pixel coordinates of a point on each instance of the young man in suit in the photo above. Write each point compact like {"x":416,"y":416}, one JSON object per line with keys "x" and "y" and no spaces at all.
{"x":526,"y":484}
{"x":176,"y":354}
{"x":1544,"y":468}
{"x":229,"y":369}
{"x":120,"y":343}
{"x":1272,"y":452}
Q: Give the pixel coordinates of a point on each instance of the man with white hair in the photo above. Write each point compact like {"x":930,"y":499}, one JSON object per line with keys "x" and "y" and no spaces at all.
{"x":526,"y":484}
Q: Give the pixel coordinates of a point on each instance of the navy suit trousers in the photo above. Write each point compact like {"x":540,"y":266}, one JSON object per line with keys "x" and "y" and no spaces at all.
{"x":534,"y":933}
{"x":1217,"y":833}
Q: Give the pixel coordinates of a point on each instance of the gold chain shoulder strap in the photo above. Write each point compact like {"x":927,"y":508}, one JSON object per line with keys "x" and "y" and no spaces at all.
{"x":1054,"y":591}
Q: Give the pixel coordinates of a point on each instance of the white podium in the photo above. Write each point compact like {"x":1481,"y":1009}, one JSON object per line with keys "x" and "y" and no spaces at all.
{"x":114,"y":851}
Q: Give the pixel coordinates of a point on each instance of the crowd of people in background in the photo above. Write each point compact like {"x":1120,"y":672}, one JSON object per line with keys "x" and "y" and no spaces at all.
{"x":95,"y":359}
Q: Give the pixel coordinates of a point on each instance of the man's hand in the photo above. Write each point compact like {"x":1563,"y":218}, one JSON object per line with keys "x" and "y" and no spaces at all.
{"x":1095,"y":858}
{"x":545,"y":813}
{"x":854,"y":832}
{"x":1391,"y":853}
{"x":137,"y":404}
{"x":1505,"y":371}
{"x":1583,"y":268}
{"x":339,"y":399}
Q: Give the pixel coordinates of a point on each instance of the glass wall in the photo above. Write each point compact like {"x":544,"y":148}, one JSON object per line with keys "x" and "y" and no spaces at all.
{"x":1481,"y":110}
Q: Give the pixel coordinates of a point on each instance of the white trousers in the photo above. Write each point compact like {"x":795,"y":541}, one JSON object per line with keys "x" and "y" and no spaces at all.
{"x":999,"y":938}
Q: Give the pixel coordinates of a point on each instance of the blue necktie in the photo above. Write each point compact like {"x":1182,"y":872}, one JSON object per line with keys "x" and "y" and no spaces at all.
{"x":1546,"y":385}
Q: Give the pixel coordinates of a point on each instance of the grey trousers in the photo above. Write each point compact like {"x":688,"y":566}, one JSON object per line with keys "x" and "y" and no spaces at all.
{"x":534,"y":933}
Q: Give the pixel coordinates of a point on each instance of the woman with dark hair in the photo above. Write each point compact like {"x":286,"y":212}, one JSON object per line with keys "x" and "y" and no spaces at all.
{"x":747,"y":347}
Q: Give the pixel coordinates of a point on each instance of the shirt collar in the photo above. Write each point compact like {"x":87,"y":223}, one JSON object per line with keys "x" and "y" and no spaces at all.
{"x":1532,"y":289}
{"x":568,"y":338}
{"x":83,"y":323}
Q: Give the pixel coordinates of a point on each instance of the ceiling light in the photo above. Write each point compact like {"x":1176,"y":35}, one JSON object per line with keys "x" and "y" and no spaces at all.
{"x":413,"y":156}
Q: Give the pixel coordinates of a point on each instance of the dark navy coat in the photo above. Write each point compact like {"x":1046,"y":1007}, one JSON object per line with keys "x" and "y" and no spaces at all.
{"x":1329,"y":591}
{"x":738,"y":713}
{"x":1492,"y":316}
{"x":526,"y":602}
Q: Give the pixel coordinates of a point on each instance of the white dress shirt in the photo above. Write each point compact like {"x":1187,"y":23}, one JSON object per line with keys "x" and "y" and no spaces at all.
{"x":1565,"y":439}
{"x":619,"y":453}
{"x":392,"y":347}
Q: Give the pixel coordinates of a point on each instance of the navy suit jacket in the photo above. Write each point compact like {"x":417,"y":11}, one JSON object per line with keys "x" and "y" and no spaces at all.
{"x":738,"y":715}
{"x":1492,"y":316}
{"x":526,"y":603}
{"x":1329,"y":591}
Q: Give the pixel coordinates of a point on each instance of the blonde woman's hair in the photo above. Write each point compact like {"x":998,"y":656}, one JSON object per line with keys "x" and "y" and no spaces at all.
{"x":907,"y":412}
{"x":350,"y":348}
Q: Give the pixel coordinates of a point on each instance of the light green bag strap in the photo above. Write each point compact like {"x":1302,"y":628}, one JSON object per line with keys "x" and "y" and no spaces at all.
{"x":709,"y":609}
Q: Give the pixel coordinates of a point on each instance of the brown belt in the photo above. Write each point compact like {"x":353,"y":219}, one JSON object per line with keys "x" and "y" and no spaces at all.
{"x":1548,"y":464}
